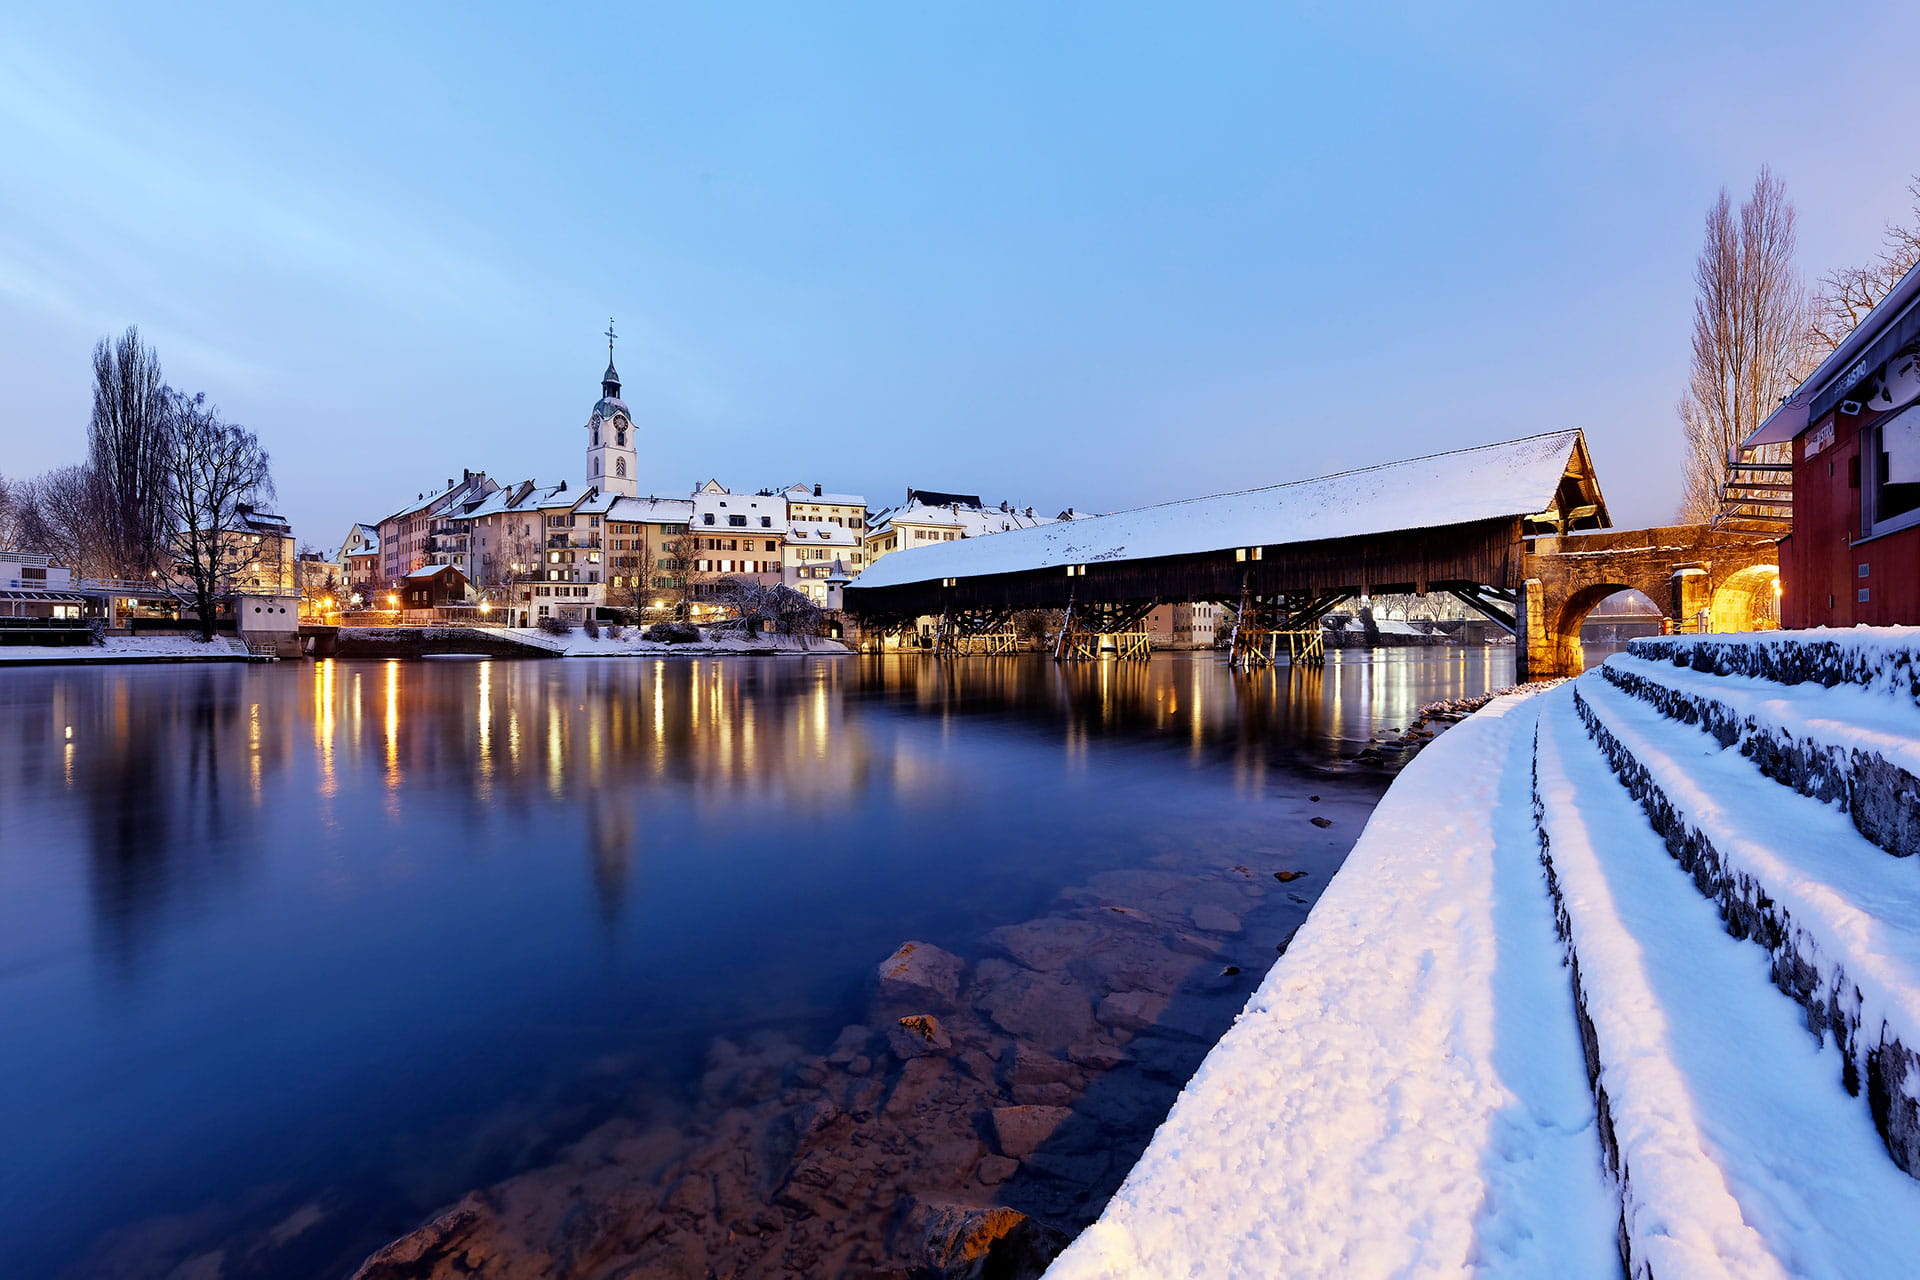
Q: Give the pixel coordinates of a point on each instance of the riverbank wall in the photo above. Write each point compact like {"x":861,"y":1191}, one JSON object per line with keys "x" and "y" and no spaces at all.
{"x":1621,"y":975}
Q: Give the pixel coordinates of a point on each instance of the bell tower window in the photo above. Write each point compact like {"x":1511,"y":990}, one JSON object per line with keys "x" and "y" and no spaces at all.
{"x":620,"y":467}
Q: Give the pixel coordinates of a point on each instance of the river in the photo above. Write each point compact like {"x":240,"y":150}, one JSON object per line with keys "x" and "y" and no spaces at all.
{"x":295,"y":954}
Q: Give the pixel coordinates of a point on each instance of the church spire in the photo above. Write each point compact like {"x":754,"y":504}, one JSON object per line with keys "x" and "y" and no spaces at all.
{"x":610,"y":384}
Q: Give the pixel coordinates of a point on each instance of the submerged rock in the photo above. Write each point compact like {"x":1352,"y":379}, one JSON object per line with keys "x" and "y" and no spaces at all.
{"x":921,"y":973}
{"x":917,"y":1034}
{"x":1019,"y":1131}
{"x":967,"y":1242}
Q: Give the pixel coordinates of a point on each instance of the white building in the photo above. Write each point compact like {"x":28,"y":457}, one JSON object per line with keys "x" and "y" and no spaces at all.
{"x":928,"y":517}
{"x":33,"y":586}
{"x":813,"y":549}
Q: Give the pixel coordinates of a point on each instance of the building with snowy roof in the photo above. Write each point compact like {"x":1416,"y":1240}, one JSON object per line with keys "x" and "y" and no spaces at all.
{"x":1852,"y":486}
{"x":928,"y":516}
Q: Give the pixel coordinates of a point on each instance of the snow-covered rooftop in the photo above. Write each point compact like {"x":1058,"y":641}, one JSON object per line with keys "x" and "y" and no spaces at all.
{"x":805,"y":493}
{"x":652,"y":510}
{"x":1513,"y":478}
{"x":971,"y":521}
{"x":803,"y":532}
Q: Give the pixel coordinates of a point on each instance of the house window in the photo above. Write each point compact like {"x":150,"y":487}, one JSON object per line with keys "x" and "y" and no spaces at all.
{"x":1892,"y":498}
{"x":766,"y":522}
{"x":737,"y":522}
{"x":706,"y":517}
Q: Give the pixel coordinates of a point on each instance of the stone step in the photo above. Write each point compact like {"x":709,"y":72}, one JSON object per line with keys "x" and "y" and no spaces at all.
{"x":1839,"y":921}
{"x":1735,"y":1155}
{"x":1844,"y":746}
{"x":1882,"y":659}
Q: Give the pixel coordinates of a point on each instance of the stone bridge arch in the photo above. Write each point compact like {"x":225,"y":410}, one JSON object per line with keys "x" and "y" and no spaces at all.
{"x":1691,"y":571}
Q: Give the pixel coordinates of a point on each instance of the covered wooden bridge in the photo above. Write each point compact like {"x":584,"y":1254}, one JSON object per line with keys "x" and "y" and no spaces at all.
{"x":1285,"y":555}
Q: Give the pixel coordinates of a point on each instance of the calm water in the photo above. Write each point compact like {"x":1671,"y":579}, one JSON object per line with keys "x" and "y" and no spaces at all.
{"x":327,"y":944}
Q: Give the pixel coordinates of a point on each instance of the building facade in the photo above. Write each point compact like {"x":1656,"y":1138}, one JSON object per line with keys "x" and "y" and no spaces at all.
{"x":425,"y":532}
{"x":928,"y":517}
{"x":1853,"y":557}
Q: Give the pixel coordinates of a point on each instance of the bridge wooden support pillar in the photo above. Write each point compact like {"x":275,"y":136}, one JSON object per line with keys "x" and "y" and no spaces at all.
{"x":1268,"y":626}
{"x":1092,"y":631}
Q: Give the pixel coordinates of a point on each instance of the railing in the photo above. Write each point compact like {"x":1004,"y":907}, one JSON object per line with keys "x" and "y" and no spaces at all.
{"x":1757,"y":496}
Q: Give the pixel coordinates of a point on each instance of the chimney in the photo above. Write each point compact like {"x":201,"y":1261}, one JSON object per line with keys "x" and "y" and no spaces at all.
{"x":816,"y":491}
{"x":1029,"y":513}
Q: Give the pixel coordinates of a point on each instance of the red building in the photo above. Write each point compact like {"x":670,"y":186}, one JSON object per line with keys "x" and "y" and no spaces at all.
{"x":1854,"y":554}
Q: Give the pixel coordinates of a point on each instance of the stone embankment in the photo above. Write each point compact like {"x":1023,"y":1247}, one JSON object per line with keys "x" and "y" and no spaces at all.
{"x":1710,"y":836}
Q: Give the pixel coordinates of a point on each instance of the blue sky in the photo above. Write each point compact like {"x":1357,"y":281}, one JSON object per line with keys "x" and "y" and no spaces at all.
{"x":1094,"y":255}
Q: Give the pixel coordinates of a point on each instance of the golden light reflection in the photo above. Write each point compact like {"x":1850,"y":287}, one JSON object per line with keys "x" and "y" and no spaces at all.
{"x":393,"y":735}
{"x":323,"y":725}
{"x":485,"y":717}
{"x":253,"y":752}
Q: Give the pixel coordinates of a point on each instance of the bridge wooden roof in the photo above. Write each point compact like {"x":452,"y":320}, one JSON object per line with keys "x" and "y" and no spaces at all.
{"x":1537,"y":484}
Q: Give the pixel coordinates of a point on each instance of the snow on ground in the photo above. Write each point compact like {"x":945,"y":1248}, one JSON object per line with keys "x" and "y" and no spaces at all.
{"x":126,"y":648}
{"x":578,"y":644}
{"x":1883,"y":659}
{"x":1745,"y":1156}
{"x":1854,"y":910}
{"x":1847,"y":716}
{"x":1515,"y":477}
{"x":1405,"y":1094}
{"x":1408,"y":1094}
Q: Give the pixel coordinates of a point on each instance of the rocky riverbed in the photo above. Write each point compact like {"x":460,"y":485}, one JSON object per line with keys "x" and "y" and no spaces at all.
{"x":981,"y":1114}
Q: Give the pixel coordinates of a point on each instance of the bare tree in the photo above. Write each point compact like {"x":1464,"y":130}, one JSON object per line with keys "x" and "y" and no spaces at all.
{"x":515,"y":559}
{"x":13,"y":514}
{"x":681,"y":552}
{"x":754,"y":605}
{"x":127,"y":443}
{"x":215,"y":468}
{"x":1749,"y":335}
{"x":1844,"y":297}
{"x":61,"y":516}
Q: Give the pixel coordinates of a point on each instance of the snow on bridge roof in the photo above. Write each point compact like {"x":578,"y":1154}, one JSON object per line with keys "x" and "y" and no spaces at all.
{"x":1513,"y":478}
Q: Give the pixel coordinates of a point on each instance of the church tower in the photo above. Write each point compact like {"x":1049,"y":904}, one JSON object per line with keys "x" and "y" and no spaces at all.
{"x":611,"y":461}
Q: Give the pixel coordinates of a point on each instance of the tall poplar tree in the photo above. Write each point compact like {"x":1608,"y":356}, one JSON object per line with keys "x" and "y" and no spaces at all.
{"x":1750,"y":335}
{"x":128,"y":455}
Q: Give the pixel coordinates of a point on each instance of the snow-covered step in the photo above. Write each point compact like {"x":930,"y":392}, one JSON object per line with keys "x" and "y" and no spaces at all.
{"x":1840,"y":920}
{"x":1846,"y":745}
{"x":1406,"y":1093}
{"x":1884,"y":660}
{"x":1738,"y":1152}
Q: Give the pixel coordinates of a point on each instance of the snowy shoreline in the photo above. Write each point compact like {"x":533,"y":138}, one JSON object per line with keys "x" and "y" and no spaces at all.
{"x":127,"y":649}
{"x":1609,"y":982}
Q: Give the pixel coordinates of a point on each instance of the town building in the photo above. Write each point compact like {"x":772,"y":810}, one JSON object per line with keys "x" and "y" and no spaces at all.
{"x":814,"y":551}
{"x":359,"y":561}
{"x":648,"y":545}
{"x":1185,"y":626}
{"x":263,"y":553}
{"x":928,"y":516}
{"x":425,"y":531}
{"x":740,"y":536}
{"x":1853,"y":556}
{"x":432,"y":587}
{"x":33,"y":586}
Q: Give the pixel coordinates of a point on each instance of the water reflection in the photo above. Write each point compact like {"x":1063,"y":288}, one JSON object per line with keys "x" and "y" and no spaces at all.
{"x":276,"y":933}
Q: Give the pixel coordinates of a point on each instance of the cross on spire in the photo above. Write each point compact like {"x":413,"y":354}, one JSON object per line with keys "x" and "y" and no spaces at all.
{"x":610,"y":337}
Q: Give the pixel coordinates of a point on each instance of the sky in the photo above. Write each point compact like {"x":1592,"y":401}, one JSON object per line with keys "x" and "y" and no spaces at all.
{"x":1089,"y":255}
